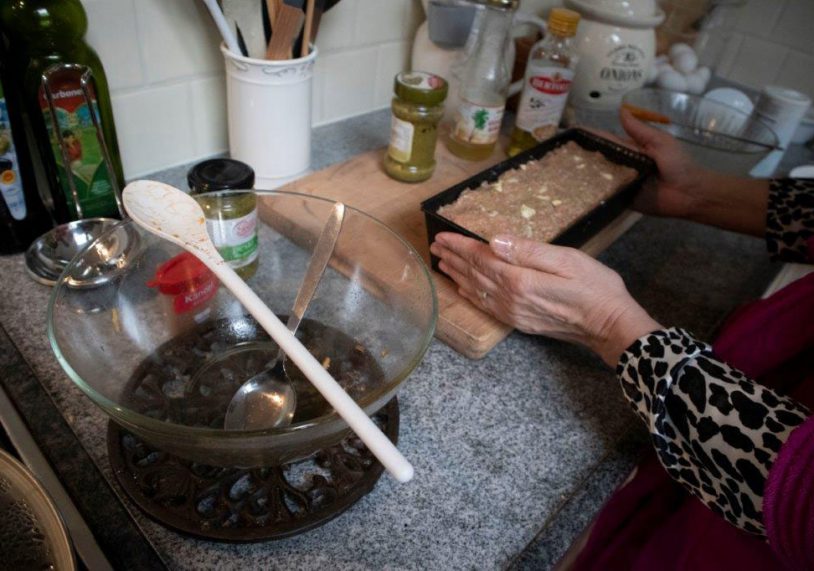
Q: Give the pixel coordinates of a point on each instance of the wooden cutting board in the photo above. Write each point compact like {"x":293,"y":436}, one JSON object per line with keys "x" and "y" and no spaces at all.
{"x":362,"y":183}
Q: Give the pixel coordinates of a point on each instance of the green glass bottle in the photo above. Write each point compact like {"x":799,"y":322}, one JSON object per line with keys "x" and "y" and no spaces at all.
{"x":44,"y":33}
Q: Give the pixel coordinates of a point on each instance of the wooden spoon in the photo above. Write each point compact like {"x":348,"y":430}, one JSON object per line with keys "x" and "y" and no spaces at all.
{"x":284,"y":30}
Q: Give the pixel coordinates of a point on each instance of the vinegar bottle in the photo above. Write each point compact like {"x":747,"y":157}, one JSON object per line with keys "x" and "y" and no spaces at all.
{"x":549,"y":72}
{"x":47,"y":32}
{"x":485,"y":79}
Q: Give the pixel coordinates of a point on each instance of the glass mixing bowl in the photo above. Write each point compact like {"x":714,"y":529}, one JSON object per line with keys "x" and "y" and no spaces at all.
{"x":717,"y":136}
{"x":163,"y":362}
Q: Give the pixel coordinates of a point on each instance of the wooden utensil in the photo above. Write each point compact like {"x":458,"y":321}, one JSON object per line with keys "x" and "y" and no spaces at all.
{"x":284,"y":32}
{"x":309,"y":24}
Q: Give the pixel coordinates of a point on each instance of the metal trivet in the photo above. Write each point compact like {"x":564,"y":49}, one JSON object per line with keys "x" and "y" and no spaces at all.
{"x":241,"y":505}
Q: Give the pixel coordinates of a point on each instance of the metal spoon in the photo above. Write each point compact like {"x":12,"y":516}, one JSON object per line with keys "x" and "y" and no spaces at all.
{"x":174,"y":215}
{"x":268,"y":399}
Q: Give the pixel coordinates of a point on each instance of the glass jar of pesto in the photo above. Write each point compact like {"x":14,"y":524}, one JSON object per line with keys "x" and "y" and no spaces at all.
{"x":231,"y":217}
{"x":417,"y":109}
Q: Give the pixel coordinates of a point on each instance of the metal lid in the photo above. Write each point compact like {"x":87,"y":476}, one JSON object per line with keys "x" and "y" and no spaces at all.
{"x":49,"y":255}
{"x":421,"y":87}
{"x":220,"y":174}
{"x":502,"y":4}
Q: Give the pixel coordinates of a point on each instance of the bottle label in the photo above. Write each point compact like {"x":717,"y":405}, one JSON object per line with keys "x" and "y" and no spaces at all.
{"x":11,"y":185}
{"x":401,"y":140}
{"x":477,"y":124}
{"x":543,"y":100}
{"x":76,"y":141}
{"x":235,"y":239}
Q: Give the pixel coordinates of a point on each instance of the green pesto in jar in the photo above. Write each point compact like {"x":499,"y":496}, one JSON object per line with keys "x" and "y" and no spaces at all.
{"x":231,"y":217}
{"x":417,"y":109}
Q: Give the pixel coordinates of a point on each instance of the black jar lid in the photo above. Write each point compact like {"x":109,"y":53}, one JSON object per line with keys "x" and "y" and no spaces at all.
{"x":220,"y":174}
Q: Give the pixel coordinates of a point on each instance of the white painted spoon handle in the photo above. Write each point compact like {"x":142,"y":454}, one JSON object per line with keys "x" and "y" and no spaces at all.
{"x":360,"y":423}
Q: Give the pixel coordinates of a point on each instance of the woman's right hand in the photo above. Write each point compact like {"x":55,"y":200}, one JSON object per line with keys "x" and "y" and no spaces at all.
{"x":674,"y":191}
{"x":684,"y":189}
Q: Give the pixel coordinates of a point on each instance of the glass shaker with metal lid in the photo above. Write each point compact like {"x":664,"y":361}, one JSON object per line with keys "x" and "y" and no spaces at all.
{"x":485,"y":79}
{"x":231,"y":218}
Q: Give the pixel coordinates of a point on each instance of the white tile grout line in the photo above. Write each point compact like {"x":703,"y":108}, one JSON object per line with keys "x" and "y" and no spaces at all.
{"x":83,"y":541}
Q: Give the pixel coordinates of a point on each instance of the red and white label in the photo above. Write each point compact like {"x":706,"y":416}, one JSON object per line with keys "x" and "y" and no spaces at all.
{"x":543,"y":100}
{"x":553,"y":85}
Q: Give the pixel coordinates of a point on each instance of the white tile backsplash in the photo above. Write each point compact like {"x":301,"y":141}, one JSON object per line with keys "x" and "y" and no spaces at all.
{"x":154,"y":128}
{"x":758,"y":61}
{"x":350,"y":82}
{"x":208,"y":105}
{"x":166,"y":71}
{"x":797,"y":72}
{"x":177,"y":39}
{"x":772,"y":43}
{"x":112,"y":30}
{"x":795,"y":25}
{"x":393,"y":58}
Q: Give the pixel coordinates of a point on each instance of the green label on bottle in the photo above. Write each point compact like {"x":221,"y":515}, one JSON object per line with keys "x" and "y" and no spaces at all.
{"x":76,"y":142}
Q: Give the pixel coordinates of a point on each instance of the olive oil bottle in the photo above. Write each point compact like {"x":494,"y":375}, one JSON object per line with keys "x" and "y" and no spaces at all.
{"x":42,"y":34}
{"x":547,"y":81}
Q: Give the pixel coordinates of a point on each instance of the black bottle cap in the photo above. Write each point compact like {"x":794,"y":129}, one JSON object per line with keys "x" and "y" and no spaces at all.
{"x":220,"y":174}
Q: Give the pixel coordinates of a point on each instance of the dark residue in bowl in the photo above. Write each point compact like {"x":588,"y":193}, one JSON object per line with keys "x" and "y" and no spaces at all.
{"x":190,"y":379}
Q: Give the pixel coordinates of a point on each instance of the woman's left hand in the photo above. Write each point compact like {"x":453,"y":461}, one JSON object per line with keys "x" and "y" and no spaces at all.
{"x":549,"y":290}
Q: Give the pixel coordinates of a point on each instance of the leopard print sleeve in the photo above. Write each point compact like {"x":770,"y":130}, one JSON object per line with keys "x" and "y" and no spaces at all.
{"x":790,"y":219}
{"x":715,"y":431}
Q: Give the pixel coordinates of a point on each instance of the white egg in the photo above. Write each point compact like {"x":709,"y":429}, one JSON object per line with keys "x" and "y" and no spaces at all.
{"x":672,"y":80}
{"x":704,"y":72}
{"x":663,"y":58}
{"x":685,"y":62}
{"x":676,"y":49}
{"x":695,"y":84}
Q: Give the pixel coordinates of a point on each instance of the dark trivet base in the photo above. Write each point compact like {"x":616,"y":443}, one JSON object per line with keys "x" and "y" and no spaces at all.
{"x":233,"y":504}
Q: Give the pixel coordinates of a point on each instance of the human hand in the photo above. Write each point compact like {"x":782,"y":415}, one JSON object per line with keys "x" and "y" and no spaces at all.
{"x":543,"y":289}
{"x":675,"y":190}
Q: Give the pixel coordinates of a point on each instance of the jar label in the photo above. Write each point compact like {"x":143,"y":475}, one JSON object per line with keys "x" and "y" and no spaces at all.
{"x":77,"y":141}
{"x":11,"y":186}
{"x":477,"y":124}
{"x":401,"y":140}
{"x":235,"y":239}
{"x":543,"y":101}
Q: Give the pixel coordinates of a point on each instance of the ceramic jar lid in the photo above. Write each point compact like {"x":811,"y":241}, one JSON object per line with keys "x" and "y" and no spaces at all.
{"x":630,"y":13}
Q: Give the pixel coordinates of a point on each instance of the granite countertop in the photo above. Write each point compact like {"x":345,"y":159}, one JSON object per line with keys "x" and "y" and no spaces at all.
{"x":514,"y":453}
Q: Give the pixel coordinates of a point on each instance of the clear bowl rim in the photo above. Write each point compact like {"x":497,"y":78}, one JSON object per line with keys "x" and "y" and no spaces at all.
{"x":764,"y":147}
{"x":142,"y":421}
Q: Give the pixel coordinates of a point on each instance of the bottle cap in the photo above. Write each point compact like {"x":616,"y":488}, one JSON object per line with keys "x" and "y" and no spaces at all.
{"x":563,"y":22}
{"x":183,"y":273}
{"x":420,"y":87}
{"x":220,"y":174}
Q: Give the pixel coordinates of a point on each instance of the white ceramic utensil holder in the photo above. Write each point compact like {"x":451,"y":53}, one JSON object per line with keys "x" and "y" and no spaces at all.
{"x":269,"y":115}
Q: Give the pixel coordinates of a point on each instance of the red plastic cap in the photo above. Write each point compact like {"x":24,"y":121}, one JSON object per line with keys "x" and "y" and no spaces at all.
{"x":181,"y":274}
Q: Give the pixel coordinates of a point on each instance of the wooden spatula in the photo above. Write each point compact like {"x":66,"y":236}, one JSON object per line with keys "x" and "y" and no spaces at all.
{"x":246,"y":16}
{"x":284,"y":30}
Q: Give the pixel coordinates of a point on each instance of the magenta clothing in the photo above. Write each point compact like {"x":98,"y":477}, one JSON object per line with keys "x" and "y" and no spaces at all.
{"x":651,"y":522}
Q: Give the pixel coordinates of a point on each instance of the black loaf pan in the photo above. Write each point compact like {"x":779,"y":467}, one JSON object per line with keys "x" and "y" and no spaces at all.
{"x":581,"y":230}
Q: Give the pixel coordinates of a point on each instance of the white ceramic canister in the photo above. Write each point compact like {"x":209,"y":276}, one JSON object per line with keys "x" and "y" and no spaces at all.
{"x":616,"y":44}
{"x":782,"y":109}
{"x":269,"y":115}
